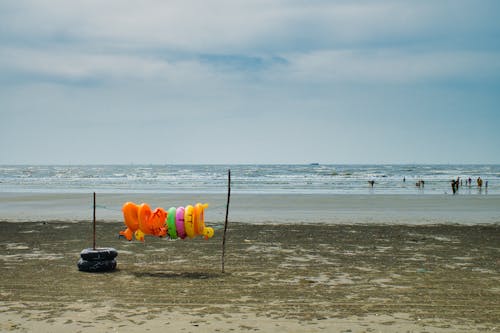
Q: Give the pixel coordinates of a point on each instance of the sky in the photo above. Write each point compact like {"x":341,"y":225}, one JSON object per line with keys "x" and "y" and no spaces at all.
{"x":249,"y":81}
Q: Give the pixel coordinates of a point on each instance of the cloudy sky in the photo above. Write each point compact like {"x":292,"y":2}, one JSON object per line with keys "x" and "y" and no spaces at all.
{"x":249,"y":81}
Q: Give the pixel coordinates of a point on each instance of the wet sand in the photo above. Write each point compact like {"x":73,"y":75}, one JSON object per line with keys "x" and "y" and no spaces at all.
{"x":264,"y":207}
{"x":279,"y":277}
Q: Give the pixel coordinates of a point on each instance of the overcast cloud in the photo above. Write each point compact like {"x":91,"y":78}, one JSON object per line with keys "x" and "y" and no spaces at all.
{"x":249,"y":81}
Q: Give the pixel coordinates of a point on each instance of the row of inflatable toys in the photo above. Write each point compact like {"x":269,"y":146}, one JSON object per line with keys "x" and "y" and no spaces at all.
{"x":180,"y":222}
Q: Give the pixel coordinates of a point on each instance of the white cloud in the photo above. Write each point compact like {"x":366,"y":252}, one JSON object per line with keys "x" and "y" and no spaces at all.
{"x":233,"y":26}
{"x":73,"y":65}
{"x":188,"y":25}
{"x":392,"y":66}
{"x":322,"y":40}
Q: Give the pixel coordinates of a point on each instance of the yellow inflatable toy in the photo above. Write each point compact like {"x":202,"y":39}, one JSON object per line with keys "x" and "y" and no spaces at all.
{"x":141,"y":220}
{"x":199,"y":221}
{"x":188,"y":221}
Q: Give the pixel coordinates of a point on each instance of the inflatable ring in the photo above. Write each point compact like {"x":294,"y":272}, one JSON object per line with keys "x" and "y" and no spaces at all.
{"x":171,"y":216}
{"x":106,"y":253}
{"x":188,"y":221}
{"x":199,"y":218}
{"x":179,"y":222}
{"x":96,"y":265}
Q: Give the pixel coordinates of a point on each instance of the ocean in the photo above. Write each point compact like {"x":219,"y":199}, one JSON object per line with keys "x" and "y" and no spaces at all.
{"x":259,"y":193}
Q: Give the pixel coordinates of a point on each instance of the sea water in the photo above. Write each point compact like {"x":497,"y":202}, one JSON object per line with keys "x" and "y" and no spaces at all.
{"x":275,"y":179}
{"x":259,"y":193}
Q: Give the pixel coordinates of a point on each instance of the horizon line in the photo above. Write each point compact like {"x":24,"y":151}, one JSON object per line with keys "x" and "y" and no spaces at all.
{"x":239,"y":164}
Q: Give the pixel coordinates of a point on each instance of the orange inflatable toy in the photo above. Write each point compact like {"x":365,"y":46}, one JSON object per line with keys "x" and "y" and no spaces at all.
{"x":130,"y":214}
{"x":140,"y":221}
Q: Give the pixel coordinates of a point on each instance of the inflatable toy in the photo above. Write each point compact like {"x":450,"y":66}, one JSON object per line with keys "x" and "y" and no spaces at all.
{"x":130,"y":211}
{"x":140,"y":221}
{"x":139,"y":235}
{"x":199,"y":221}
{"x":172,"y":229}
{"x":188,"y":221}
{"x":152,"y":222}
{"x":177,"y":222}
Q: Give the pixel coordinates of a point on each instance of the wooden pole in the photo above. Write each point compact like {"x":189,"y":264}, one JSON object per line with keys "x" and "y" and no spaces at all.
{"x":94,"y":221}
{"x":227,"y":213}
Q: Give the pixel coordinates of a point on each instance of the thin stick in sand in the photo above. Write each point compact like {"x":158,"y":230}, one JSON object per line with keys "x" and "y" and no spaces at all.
{"x":226,"y":220}
{"x":94,"y":223}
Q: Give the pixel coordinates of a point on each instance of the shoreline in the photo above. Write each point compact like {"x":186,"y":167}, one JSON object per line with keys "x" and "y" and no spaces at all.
{"x":219,"y":225}
{"x":289,"y":277}
{"x":265,"y":208}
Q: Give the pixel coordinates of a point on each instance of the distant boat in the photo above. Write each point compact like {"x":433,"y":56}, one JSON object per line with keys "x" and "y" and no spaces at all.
{"x":313,"y":163}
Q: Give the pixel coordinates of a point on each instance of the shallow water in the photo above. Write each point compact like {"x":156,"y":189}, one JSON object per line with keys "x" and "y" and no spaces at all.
{"x":259,"y":208}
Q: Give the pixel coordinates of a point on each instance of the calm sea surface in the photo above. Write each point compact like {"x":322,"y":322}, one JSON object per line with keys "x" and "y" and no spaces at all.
{"x":259,"y":193}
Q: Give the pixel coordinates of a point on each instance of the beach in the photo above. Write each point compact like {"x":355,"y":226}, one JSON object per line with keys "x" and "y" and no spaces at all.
{"x":308,"y":249}
{"x":295,"y":277}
